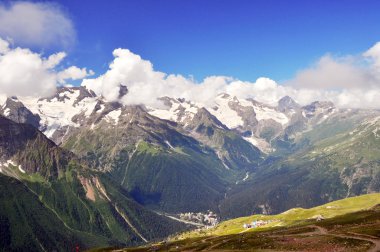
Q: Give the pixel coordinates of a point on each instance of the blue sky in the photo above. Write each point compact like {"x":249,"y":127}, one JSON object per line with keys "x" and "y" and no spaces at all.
{"x":243,"y":39}
{"x":310,"y":50}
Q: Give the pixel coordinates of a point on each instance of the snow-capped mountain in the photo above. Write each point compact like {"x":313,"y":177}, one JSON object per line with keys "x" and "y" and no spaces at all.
{"x":185,"y":156}
{"x":75,"y":107}
{"x":256,"y":122}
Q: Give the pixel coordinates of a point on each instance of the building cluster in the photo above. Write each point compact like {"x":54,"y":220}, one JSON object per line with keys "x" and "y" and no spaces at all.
{"x":257,"y":223}
{"x":208,"y":219}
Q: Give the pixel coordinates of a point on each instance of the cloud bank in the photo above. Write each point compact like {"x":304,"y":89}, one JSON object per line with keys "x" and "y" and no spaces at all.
{"x":25,"y":73}
{"x":39,"y":24}
{"x":350,"y":72}
{"x":351,"y":81}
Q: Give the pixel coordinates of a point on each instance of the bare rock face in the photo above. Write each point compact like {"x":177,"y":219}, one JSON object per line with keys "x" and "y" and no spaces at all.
{"x":17,"y":112}
{"x":287,"y":104}
{"x":318,"y":109}
{"x":122,"y":91}
{"x":28,"y":148}
{"x":247,"y":113}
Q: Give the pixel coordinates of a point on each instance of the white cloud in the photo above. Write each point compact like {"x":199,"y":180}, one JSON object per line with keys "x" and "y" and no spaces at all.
{"x":25,"y":73}
{"x":145,"y":85}
{"x":347,"y":81}
{"x":4,"y":46}
{"x":40,"y":24}
{"x":54,"y":59}
{"x":332,"y":73}
{"x":73,"y":73}
{"x":373,"y":56}
{"x":340,"y":73}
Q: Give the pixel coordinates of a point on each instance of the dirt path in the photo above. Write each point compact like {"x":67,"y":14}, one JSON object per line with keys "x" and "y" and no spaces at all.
{"x":218,"y":244}
{"x":321,"y":230}
{"x":376,"y":242}
{"x":351,"y":235}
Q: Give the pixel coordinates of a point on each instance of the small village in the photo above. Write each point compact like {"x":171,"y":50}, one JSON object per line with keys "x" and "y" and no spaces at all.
{"x":208,"y":219}
{"x":257,"y":223}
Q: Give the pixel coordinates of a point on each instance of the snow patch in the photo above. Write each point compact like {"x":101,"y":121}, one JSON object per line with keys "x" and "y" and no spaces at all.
{"x":179,"y":111}
{"x":225,"y":113}
{"x":265,"y":113}
{"x":101,"y":109}
{"x":245,"y":103}
{"x":260,"y":143}
{"x":6,"y":165}
{"x":246,"y":176}
{"x":167,"y":142}
{"x":20,"y":169}
{"x":114,"y":116}
{"x":55,"y":113}
{"x":7,"y":111}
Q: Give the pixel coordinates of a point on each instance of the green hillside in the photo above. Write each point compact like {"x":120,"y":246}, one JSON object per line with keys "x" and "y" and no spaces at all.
{"x":294,"y":216}
{"x":352,"y":224}
{"x":81,"y":206}
{"x":54,"y":205}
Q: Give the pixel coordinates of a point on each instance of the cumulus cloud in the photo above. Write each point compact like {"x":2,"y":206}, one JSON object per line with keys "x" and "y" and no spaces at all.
{"x":347,"y":81}
{"x":145,"y":85}
{"x":340,"y":73}
{"x":73,"y":73}
{"x":25,"y":73}
{"x":333,"y":73}
{"x":41,"y":24}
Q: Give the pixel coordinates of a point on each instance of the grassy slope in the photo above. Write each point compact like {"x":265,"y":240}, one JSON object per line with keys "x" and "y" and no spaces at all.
{"x":353,"y":225}
{"x":60,"y":207}
{"x":26,"y":223}
{"x":294,"y":216}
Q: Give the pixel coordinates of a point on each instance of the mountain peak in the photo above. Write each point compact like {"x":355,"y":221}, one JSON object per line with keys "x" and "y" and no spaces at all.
{"x":123,"y":90}
{"x":17,"y":112}
{"x":287,"y":103}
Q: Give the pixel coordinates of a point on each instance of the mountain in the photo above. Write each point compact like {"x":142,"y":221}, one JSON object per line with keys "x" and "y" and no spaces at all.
{"x":163,"y":164}
{"x":16,"y":111}
{"x":31,"y":150}
{"x":287,"y":105}
{"x":343,"y":162}
{"x":233,"y":156}
{"x":51,"y":201}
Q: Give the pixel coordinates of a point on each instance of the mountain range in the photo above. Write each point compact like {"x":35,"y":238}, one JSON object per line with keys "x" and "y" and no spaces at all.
{"x":109,"y":174}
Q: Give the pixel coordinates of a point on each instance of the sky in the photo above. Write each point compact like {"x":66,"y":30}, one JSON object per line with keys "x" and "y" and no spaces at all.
{"x":253,"y":49}
{"x":243,"y":39}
